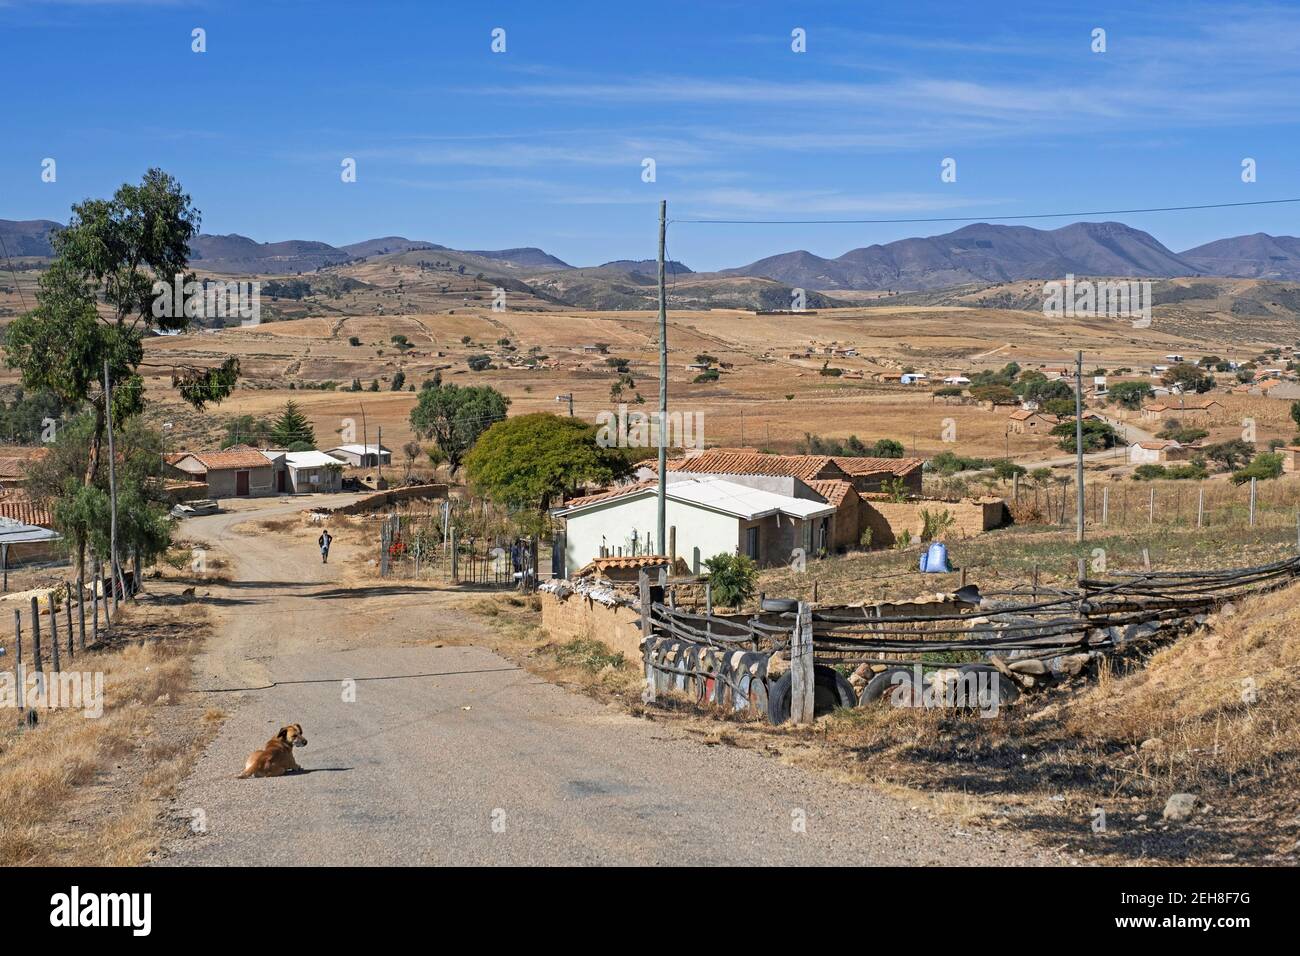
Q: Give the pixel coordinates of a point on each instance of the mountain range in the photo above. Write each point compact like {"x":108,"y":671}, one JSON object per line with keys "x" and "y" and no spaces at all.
{"x":978,"y":253}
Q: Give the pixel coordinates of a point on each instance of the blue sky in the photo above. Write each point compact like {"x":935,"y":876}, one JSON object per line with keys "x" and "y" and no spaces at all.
{"x":543,"y":144}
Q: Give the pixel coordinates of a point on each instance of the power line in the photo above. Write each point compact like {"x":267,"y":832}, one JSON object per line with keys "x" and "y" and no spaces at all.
{"x":1040,"y":215}
{"x":21,"y":298}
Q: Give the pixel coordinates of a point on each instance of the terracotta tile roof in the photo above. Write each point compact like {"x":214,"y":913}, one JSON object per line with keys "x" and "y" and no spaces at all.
{"x":874,"y":466}
{"x":1198,"y":405}
{"x":630,"y":563}
{"x":610,"y":493}
{"x":13,"y":469}
{"x":736,"y":461}
{"x":833,"y":490}
{"x":236,"y":456}
{"x":26,"y":512}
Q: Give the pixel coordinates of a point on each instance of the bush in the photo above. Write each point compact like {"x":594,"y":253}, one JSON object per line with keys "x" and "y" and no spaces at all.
{"x":935,"y":523}
{"x":478,"y":363}
{"x":733,"y":578}
{"x":1149,"y":472}
{"x":1265,"y":465}
{"x":711,"y":375}
{"x":589,"y":654}
{"x":354,"y":340}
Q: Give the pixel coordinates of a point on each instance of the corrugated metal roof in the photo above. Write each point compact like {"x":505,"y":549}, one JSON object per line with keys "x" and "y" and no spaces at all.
{"x":718,"y":494}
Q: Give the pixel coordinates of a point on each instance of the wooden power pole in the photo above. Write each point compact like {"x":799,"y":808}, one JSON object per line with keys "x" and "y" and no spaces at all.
{"x":1078,"y":445}
{"x":663,"y":386}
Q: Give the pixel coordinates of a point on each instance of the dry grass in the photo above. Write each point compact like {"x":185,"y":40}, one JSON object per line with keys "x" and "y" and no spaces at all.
{"x":77,"y":791}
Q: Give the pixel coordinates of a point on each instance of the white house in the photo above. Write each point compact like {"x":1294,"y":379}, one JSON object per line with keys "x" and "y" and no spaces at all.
{"x":956,"y":380}
{"x":915,"y":378}
{"x":313,"y":471}
{"x":1155,"y":452}
{"x":362,"y":456}
{"x":711,"y":516}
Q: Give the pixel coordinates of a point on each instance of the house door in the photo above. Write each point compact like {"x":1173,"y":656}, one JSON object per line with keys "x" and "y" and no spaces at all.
{"x":751,"y":542}
{"x":241,"y":484}
{"x":279,"y":481}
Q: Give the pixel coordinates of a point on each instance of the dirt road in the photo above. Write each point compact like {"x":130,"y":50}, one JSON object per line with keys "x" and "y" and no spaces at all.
{"x":451,"y":754}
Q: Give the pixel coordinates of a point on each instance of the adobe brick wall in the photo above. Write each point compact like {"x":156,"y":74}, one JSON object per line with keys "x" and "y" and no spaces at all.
{"x":888,"y":519}
{"x":565,"y":618}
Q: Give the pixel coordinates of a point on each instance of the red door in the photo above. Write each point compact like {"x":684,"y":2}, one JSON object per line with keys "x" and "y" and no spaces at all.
{"x":241,"y":484}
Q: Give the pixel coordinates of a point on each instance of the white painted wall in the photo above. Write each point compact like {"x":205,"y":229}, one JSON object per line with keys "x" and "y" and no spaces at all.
{"x":712,"y":533}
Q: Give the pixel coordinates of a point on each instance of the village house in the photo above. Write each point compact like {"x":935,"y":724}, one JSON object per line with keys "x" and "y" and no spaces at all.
{"x":888,"y":378}
{"x":306,"y":472}
{"x":1030,"y":421}
{"x":362,"y":456}
{"x":237,"y":472}
{"x":915,"y":378}
{"x":765,"y":518}
{"x":1290,"y":457}
{"x":1187,"y":410}
{"x":1156,"y":452}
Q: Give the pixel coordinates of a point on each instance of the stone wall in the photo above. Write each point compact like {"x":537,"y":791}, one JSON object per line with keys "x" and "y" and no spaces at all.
{"x":888,"y":519}
{"x":576,"y":615}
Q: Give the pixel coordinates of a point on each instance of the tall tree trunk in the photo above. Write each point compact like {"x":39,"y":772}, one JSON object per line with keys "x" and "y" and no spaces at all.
{"x":92,"y":463}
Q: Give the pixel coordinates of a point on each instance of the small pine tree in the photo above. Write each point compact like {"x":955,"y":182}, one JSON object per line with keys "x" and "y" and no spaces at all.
{"x":292,"y":427}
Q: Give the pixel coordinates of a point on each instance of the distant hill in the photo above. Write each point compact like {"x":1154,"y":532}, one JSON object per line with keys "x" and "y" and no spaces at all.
{"x":386,"y":245}
{"x":648,"y":267}
{"x":28,"y":238}
{"x":239,"y":254}
{"x":528,"y":257}
{"x":1258,"y":256}
{"x":977,"y":255}
{"x":981,"y":252}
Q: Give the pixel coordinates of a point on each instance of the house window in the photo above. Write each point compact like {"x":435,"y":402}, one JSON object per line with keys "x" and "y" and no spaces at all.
{"x":751,"y":542}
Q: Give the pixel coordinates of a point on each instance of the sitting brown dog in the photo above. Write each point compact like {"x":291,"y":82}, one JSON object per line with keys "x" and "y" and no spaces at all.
{"x":276,"y":758}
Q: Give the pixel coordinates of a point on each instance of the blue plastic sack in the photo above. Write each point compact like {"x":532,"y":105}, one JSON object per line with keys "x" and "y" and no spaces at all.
{"x":934,"y":560}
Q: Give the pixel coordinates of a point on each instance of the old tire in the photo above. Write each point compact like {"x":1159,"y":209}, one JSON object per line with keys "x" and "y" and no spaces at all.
{"x":1008,"y":692}
{"x":779,"y":605}
{"x":830,"y":690}
{"x":881,"y":687}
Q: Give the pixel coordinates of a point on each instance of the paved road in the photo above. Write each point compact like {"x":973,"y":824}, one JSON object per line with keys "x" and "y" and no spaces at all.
{"x":451,"y":755}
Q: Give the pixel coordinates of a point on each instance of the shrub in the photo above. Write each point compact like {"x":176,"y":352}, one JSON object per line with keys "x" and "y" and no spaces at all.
{"x":354,"y":340}
{"x":733,"y":578}
{"x":588,"y":654}
{"x":935,"y":523}
{"x":1265,"y":465}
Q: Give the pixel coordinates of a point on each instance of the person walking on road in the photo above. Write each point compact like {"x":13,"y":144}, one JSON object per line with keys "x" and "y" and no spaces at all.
{"x":324,"y":541}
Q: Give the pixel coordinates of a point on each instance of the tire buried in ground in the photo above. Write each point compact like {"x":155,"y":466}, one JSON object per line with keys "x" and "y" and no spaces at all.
{"x":830,"y":691}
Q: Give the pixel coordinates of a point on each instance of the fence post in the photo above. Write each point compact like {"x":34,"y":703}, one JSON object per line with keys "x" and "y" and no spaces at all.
{"x":1200,"y":507}
{"x":67,"y":610}
{"x":94,"y":603}
{"x":643,"y":592}
{"x":81,"y":611}
{"x":801,"y":667}
{"x":1151,"y":508}
{"x":1252,"y":502}
{"x":18,"y":667}
{"x":54,"y":631}
{"x":1146,"y":559}
{"x":1105,"y":505}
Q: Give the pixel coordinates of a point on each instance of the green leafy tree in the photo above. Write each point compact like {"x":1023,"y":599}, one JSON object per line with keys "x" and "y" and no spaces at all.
{"x":292,"y":428}
{"x":1097,"y":435}
{"x":454,"y":417}
{"x":1265,"y":466}
{"x":732,"y":577}
{"x":1230,"y":453}
{"x":532,"y":460}
{"x":1130,"y":395}
{"x":113,"y":252}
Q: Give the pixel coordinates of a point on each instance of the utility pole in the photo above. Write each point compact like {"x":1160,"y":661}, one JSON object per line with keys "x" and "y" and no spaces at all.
{"x":1078,"y":445}
{"x":663,"y":386}
{"x":115,"y":571}
{"x":379,"y":456}
{"x":569,"y":398}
